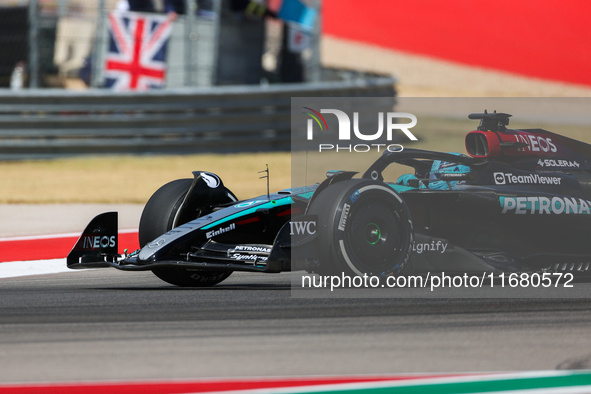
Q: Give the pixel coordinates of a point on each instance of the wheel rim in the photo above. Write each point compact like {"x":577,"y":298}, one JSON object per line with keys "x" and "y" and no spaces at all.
{"x":374,"y":235}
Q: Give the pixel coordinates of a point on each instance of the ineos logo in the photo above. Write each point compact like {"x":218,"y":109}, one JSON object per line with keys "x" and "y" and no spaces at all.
{"x":499,"y":178}
{"x":97,"y":242}
{"x":536,"y":143}
{"x":345,"y":124}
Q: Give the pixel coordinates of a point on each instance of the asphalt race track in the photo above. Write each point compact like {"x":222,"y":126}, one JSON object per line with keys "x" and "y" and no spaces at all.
{"x":111,"y":325}
{"x":105,"y":324}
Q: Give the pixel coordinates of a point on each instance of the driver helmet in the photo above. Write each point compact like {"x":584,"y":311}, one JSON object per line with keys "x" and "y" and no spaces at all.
{"x":440,"y":167}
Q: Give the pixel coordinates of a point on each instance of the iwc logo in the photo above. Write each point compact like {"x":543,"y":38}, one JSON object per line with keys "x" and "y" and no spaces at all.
{"x":212,"y":180}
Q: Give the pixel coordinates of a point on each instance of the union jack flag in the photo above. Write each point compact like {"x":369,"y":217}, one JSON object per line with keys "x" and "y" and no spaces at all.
{"x":136,"y":55}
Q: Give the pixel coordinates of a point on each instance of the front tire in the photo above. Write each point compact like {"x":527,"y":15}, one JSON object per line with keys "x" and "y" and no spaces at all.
{"x":160,"y":210}
{"x":158,"y":217}
{"x":366,"y":226}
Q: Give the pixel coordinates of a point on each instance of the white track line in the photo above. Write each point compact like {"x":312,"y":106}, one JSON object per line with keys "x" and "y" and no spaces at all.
{"x":15,"y":269}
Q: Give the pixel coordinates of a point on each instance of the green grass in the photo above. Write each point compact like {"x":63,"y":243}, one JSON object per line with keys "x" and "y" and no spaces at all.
{"x":132,"y":179}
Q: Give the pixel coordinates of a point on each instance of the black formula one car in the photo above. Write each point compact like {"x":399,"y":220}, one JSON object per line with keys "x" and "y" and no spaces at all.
{"x":521,"y":202}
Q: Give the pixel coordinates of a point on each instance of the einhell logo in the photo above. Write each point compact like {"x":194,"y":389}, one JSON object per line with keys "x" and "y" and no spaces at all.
{"x":221,"y":230}
{"x":345,"y":129}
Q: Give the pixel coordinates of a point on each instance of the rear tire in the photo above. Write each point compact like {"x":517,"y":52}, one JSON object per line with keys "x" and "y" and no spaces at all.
{"x":157,"y":218}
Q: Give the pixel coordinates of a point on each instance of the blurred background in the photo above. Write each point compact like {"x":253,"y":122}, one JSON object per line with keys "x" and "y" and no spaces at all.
{"x":460,"y":47}
{"x":67,"y":43}
{"x":92,"y":78}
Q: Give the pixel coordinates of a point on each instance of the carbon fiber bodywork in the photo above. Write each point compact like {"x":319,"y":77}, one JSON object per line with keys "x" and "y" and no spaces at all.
{"x":521,"y":203}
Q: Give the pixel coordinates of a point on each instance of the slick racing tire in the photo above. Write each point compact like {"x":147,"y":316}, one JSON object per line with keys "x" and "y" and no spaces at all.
{"x":366,"y":226}
{"x":158,"y":217}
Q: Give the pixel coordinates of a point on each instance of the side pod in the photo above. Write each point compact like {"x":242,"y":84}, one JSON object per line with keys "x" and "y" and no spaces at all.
{"x":97,"y":244}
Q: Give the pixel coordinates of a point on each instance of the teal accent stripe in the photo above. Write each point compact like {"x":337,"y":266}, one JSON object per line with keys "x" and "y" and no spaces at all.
{"x":400,"y":188}
{"x":267,"y":205}
{"x":306,"y":195}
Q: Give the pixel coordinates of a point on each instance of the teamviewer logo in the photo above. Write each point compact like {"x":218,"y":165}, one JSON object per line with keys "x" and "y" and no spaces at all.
{"x":499,"y":178}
